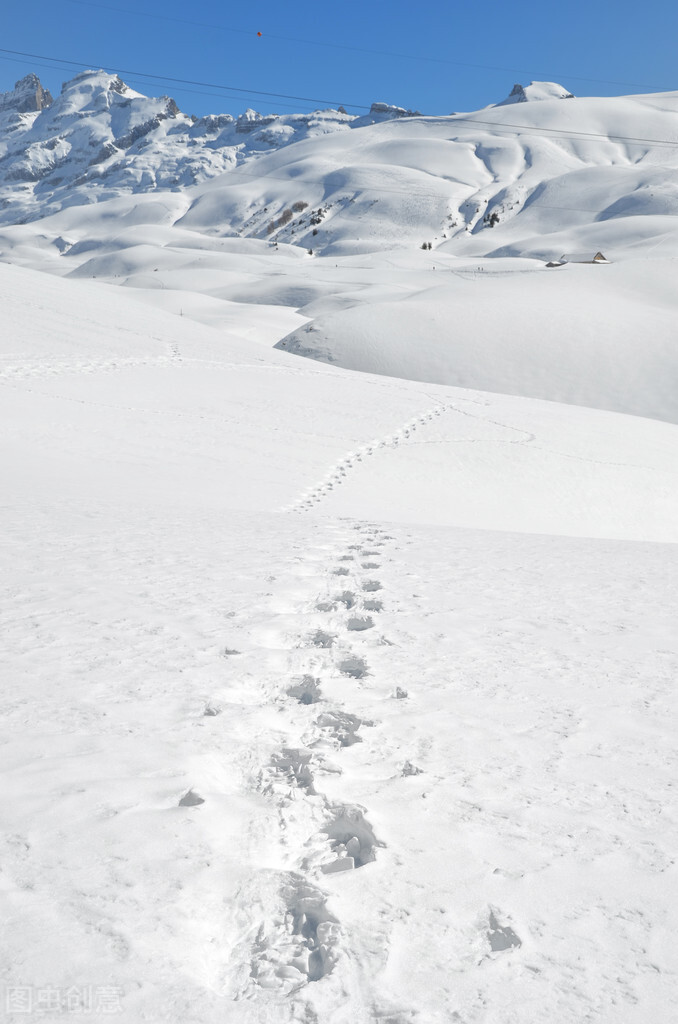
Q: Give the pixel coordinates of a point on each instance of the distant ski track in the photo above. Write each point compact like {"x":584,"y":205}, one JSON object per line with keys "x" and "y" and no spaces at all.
{"x":42,"y":368}
{"x":53,"y":369}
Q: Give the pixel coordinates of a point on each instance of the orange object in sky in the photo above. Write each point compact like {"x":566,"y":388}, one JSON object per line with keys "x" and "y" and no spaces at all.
{"x":258,"y":33}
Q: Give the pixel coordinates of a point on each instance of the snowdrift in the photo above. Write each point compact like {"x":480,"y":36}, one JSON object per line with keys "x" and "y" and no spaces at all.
{"x":603,"y":337}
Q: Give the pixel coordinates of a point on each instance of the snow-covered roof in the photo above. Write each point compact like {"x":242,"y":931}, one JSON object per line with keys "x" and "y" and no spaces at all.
{"x":583,"y":257}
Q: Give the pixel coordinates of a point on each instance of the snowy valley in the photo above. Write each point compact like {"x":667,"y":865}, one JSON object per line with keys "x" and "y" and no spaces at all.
{"x":339,"y":562}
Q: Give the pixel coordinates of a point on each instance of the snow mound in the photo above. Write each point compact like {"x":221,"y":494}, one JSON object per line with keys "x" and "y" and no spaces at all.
{"x":536,"y":91}
{"x":602,"y":337}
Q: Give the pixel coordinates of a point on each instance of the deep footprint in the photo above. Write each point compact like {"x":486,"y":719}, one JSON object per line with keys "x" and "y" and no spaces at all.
{"x":501,"y":937}
{"x":369,"y":586}
{"x":211,"y":710}
{"x":300,"y":947}
{"x":351,"y":838}
{"x":358,"y":623}
{"x":319,"y":929}
{"x":341,"y":726}
{"x":292,"y":766}
{"x":321,"y":639}
{"x":191,"y":799}
{"x":306,"y":690}
{"x":353,"y":666}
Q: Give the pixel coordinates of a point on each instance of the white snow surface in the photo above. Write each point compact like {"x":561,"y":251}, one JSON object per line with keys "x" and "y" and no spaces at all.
{"x":536,"y":91}
{"x":341,"y":689}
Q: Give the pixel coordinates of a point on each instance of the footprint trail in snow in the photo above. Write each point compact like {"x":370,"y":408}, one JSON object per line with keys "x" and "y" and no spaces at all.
{"x":303,"y":940}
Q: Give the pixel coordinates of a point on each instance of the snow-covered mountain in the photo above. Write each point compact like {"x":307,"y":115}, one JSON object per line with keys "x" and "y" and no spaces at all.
{"x":281,"y":203}
{"x":588,"y":172}
{"x":100,"y":138}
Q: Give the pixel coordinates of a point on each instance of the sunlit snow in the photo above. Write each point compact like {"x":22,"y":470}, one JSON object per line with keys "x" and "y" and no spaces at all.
{"x":339,"y":574}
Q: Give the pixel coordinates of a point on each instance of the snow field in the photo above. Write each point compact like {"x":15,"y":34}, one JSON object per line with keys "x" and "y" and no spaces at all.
{"x":434,"y":767}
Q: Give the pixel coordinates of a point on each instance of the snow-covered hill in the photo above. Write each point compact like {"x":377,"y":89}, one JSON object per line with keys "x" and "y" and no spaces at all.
{"x":540,"y":180}
{"x":605,"y":337}
{"x":294,"y":729}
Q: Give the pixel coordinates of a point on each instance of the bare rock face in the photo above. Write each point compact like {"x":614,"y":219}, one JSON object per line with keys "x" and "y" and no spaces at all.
{"x":26,"y":96}
{"x":383,"y":112}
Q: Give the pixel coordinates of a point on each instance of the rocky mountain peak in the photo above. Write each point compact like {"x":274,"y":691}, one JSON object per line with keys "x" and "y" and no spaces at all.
{"x":26,"y":97}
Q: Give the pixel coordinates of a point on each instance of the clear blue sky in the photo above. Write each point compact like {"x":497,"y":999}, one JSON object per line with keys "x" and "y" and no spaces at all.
{"x":436,"y":56}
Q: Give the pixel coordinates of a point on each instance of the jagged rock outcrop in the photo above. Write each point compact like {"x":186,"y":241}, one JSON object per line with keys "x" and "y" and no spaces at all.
{"x":390,"y":111}
{"x":383,"y":112}
{"x":28,"y":95}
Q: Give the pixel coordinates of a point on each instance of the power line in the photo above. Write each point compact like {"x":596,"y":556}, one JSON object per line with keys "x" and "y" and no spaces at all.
{"x":188,"y":81}
{"x":506,"y":127}
{"x":134,"y":81}
{"x":364,"y":50}
{"x":563,"y":133}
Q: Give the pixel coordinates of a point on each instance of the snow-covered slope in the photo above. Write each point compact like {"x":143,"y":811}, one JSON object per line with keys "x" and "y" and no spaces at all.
{"x":294,"y":730}
{"x":598,"y":336}
{"x":471,"y":185}
{"x":605,"y":337}
{"x":550,"y":468}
